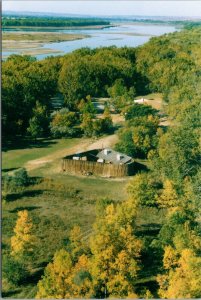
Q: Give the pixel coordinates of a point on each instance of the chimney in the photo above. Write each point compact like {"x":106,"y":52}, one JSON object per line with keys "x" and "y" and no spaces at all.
{"x":106,"y":151}
{"x":119,"y":156}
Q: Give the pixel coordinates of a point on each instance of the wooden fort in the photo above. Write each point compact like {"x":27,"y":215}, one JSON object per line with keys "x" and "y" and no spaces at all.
{"x":105,"y":163}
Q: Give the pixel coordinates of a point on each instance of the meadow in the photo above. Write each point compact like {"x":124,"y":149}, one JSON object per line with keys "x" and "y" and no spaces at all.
{"x":56,"y":202}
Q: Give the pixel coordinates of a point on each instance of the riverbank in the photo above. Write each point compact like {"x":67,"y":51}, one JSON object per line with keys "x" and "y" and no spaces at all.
{"x":44,"y":42}
{"x":32,"y":43}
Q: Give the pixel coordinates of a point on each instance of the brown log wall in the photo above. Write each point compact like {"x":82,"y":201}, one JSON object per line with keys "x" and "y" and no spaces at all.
{"x":94,"y":168}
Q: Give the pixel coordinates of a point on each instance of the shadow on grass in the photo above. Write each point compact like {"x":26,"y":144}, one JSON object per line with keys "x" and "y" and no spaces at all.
{"x":14,"y":144}
{"x":140,"y":167}
{"x":150,"y":285}
{"x":8,"y":294}
{"x":8,"y":170}
{"x":17,"y":196}
{"x":149,"y":229}
{"x":29,"y":208}
{"x":33,"y":278}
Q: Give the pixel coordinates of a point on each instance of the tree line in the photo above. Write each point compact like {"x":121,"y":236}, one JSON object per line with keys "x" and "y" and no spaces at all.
{"x":51,"y":22}
{"x":31,"y":84}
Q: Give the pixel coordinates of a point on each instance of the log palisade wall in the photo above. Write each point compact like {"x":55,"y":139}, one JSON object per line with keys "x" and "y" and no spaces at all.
{"x":94,"y":168}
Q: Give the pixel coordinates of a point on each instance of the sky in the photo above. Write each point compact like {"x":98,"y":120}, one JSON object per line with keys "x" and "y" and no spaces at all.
{"x":109,"y":7}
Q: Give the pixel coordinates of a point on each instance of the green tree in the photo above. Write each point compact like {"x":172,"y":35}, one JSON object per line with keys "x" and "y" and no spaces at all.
{"x":139,"y":110}
{"x":178,"y":154}
{"x":139,"y":136}
{"x":13,"y":270}
{"x":121,"y":95}
{"x":38,"y":124}
{"x":63,"y":123}
{"x":87,"y":106}
{"x":125,"y":144}
{"x":87,"y":124}
{"x":143,"y":190}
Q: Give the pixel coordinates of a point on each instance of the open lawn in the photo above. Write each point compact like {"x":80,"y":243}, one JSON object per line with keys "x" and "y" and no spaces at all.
{"x":154,"y":100}
{"x":21,"y":152}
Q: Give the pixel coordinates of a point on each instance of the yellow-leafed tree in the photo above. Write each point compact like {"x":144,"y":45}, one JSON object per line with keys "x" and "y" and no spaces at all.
{"x":184,"y":280}
{"x":63,"y":280}
{"x":116,"y":252}
{"x":22,"y":243}
{"x":168,"y":198}
{"x":57,"y":279}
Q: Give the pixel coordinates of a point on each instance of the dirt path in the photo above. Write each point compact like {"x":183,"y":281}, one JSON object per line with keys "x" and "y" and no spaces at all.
{"x":85,"y":145}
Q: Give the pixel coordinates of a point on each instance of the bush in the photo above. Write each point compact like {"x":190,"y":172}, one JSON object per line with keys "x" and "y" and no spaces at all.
{"x":19,"y":178}
{"x":12,"y":270}
{"x":138,"y":110}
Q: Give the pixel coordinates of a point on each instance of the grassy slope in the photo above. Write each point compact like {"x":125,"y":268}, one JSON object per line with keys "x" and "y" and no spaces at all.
{"x":56,"y":204}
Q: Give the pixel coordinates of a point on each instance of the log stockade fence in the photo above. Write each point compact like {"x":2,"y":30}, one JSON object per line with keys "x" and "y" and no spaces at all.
{"x":86,"y":167}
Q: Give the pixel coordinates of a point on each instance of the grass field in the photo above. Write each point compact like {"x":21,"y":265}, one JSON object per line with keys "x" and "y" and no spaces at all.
{"x":22,"y":152}
{"x":56,"y":202}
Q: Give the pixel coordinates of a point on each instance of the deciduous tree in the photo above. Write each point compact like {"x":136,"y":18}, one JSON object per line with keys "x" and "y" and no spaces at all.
{"x":23,"y":242}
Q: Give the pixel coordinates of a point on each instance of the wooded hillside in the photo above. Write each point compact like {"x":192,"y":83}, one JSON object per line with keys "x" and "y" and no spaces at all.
{"x":147,"y":246}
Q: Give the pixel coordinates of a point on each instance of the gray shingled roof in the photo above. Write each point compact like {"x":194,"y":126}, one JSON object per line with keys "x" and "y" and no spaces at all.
{"x":112,"y":157}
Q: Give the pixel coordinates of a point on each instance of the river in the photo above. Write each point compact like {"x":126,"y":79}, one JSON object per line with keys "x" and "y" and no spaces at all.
{"x":126,"y":34}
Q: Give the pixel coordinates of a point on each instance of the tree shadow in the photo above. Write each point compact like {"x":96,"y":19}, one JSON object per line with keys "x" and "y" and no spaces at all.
{"x":140,"y":167}
{"x":35,"y":180}
{"x":136,"y":168}
{"x":29,"y":208}
{"x":150,"y":285}
{"x":151,"y":229}
{"x":25,"y":143}
{"x":33,"y":278}
{"x":17,"y":196}
{"x":8,"y":294}
{"x":9,"y":169}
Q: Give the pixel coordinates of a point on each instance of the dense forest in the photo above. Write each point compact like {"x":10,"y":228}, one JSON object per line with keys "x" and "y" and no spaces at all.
{"x":118,"y":256}
{"x":51,"y":22}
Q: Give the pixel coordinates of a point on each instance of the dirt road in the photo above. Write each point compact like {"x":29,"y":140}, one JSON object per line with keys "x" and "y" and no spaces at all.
{"x":84,"y":145}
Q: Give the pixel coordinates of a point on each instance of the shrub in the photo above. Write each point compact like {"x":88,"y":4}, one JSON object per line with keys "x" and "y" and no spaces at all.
{"x":138,"y":110}
{"x":18,"y":179}
{"x":21,"y":177}
{"x":14,"y":271}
